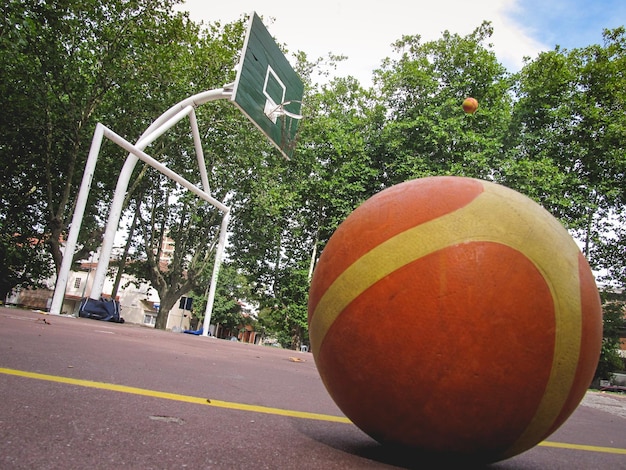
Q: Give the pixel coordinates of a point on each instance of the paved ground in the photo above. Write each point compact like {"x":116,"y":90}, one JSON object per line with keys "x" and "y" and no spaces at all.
{"x":78,"y":394}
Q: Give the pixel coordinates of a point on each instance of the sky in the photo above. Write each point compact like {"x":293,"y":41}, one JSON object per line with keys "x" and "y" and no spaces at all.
{"x":363,"y":30}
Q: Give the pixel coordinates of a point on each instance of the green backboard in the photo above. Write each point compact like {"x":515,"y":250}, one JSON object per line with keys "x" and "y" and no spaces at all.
{"x":267,"y":89}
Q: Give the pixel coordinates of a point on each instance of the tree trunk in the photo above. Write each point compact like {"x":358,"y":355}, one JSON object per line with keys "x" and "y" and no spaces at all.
{"x":167,"y":303}
{"x":161,"y":319}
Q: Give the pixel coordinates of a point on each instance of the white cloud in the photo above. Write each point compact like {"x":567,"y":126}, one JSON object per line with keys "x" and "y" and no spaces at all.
{"x":364,"y":31}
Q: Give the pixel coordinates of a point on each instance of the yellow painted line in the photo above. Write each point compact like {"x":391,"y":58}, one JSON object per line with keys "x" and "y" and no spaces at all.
{"x":175,"y":396}
{"x":562,"y":445}
{"x":245,"y":407}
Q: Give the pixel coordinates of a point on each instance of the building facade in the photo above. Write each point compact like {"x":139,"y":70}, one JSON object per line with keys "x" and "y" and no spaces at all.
{"x":139,"y":303}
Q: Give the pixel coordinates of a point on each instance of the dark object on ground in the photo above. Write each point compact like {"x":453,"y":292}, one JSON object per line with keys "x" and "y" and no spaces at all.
{"x":103,"y":309}
{"x":613,"y":388}
{"x":195,"y":332}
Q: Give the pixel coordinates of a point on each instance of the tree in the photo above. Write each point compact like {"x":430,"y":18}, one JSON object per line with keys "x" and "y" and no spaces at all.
{"x":66,"y":65}
{"x":565,"y":145}
{"x":614,"y":325}
{"x":120,"y":63}
{"x":187,"y":223}
{"x":426,"y":132}
{"x":533,"y":142}
{"x":23,"y":260}
{"x":232,"y":288}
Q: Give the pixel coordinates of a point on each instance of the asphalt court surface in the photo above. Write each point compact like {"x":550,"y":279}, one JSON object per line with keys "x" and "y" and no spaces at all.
{"x":77,"y":393}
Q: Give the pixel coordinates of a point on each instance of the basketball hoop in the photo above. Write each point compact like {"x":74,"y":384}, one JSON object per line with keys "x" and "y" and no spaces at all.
{"x":275,"y":112}
{"x":289,"y":125}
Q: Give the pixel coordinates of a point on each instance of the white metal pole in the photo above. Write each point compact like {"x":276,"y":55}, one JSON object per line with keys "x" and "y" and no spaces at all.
{"x":219,"y":253}
{"x":199,"y":152}
{"x":77,"y":219}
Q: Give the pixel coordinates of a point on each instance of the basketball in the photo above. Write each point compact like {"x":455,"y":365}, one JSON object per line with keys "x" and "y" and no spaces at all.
{"x":454,"y":317}
{"x":470,"y":105}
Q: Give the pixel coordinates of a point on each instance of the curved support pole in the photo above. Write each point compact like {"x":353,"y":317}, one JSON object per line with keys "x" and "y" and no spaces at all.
{"x":168,"y":119}
{"x":156,"y":129}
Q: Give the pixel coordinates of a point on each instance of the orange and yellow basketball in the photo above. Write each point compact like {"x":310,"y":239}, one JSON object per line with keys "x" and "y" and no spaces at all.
{"x":456,"y":317}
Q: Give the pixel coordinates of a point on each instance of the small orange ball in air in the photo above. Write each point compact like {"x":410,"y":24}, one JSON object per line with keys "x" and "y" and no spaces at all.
{"x":470,"y":105}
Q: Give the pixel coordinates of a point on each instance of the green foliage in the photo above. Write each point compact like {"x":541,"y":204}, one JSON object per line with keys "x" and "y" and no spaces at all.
{"x":286,"y":319}
{"x":70,"y":64}
{"x":565,"y":145}
{"x":174,"y":219}
{"x":614,"y":327}
{"x":426,"y":133}
{"x":24,"y":263}
{"x":66,"y":65}
{"x":609,"y":363}
{"x":232,"y":288}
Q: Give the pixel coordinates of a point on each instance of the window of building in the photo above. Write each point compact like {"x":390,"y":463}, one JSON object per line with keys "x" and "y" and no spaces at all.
{"x":149,"y":319}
